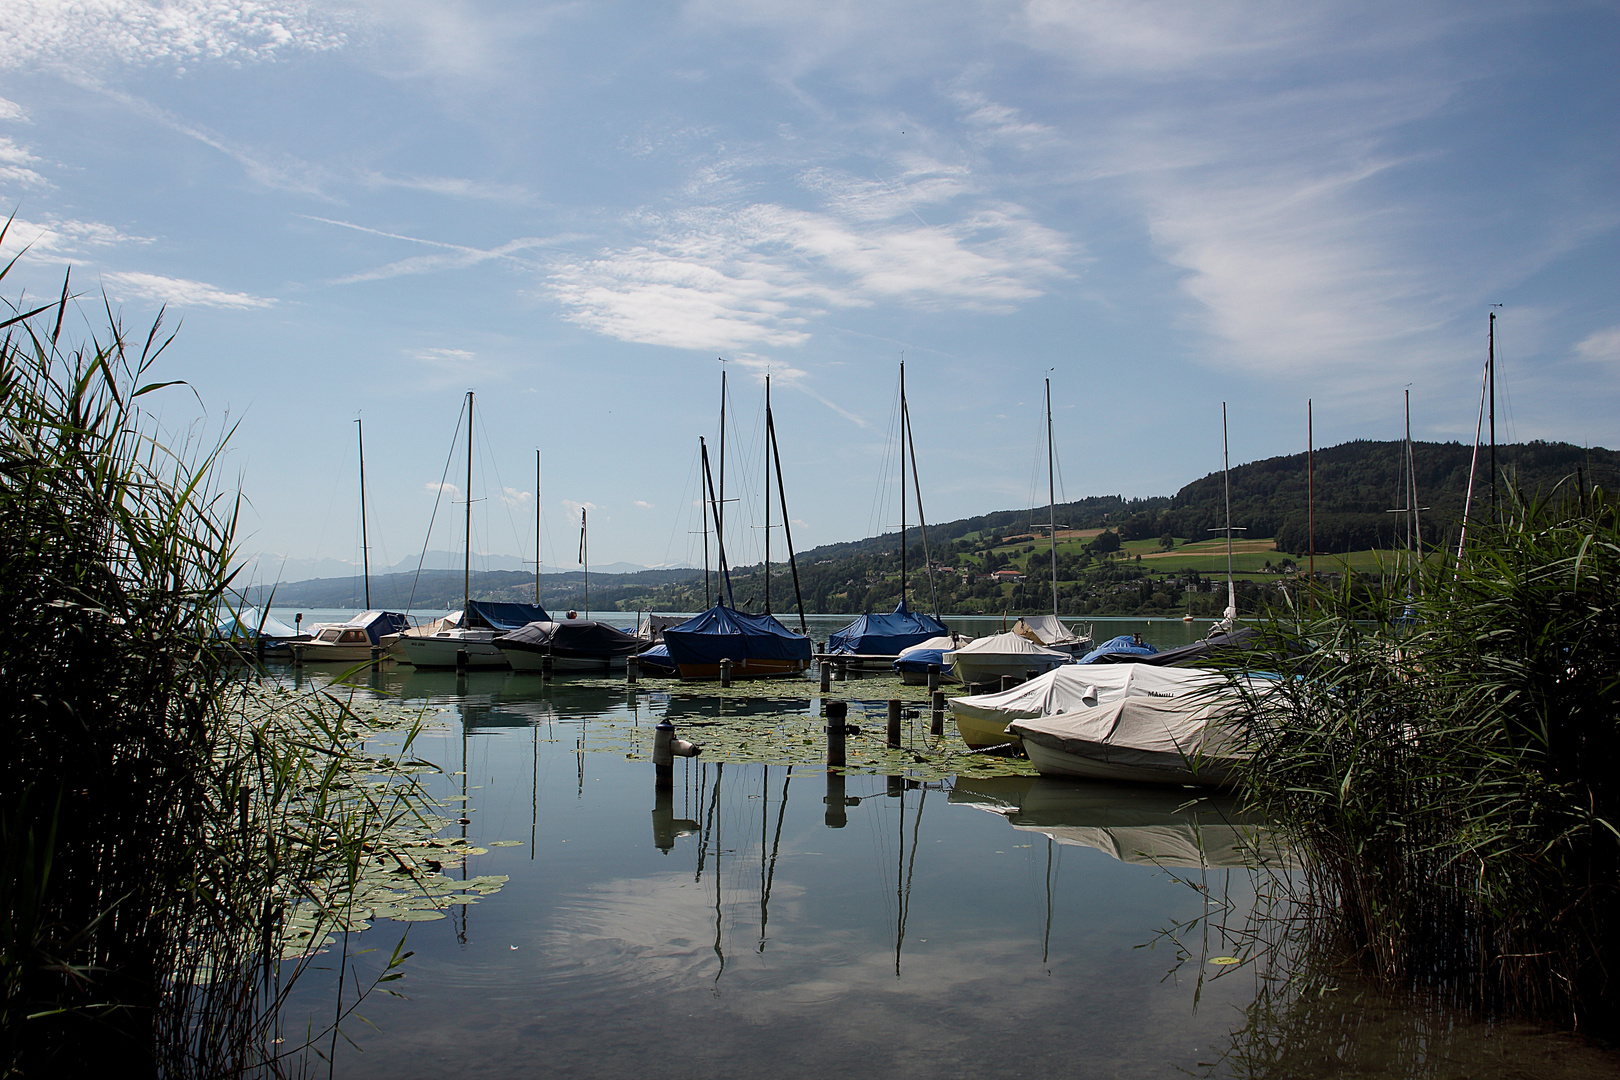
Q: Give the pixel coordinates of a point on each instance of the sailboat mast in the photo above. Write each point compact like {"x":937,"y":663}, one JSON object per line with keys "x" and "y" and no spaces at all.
{"x":1490,"y":377}
{"x":466,"y":552}
{"x":922,"y":518}
{"x":585,"y":560}
{"x":720,"y":513}
{"x":707,"y":603}
{"x":1226,"y":480}
{"x":902,"y":483}
{"x":787,"y":523}
{"x":537,"y":528}
{"x":365,"y":547}
{"x":767,"y":500}
{"x":1310,"y":485}
{"x":1051,"y":495}
{"x":720,"y":541}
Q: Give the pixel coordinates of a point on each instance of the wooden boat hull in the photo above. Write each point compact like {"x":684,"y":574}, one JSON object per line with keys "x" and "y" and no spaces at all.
{"x":746,"y":669}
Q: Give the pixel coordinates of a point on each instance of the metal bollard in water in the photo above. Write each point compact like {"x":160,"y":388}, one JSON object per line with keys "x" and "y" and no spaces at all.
{"x":298,"y":656}
{"x":725,"y":673}
{"x":936,"y":725}
{"x":376,"y":658}
{"x":632,"y":669}
{"x":837,"y":715}
{"x":933,"y":677}
{"x":894,"y":722}
{"x":461,"y":661}
{"x":666,"y":748}
{"x":826,"y":676}
{"x":547,"y":666}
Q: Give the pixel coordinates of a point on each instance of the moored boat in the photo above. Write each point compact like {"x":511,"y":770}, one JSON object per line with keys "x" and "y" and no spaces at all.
{"x":572,"y":645}
{"x":1183,"y":740}
{"x":351,"y":642}
{"x":989,"y":658}
{"x":913,"y":663}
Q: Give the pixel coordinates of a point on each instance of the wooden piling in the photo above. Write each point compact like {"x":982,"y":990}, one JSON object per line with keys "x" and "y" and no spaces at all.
{"x":894,"y":722}
{"x":725,"y":673}
{"x":837,"y":715}
{"x":936,"y":724}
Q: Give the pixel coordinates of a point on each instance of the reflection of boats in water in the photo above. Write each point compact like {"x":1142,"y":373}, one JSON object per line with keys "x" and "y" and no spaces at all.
{"x":1148,"y":826}
{"x":690,"y":708}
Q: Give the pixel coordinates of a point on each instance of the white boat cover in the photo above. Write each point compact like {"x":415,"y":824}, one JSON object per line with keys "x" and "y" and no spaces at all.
{"x":1046,"y":630}
{"x":1142,"y":732}
{"x":1071,"y":688}
{"x":1005,"y":644}
{"x":943,"y":643}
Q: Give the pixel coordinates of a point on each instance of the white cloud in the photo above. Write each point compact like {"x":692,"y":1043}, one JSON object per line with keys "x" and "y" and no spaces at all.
{"x":177,"y":292}
{"x":1602,"y":346}
{"x":438,"y":488}
{"x":643,"y":504}
{"x":515,"y":496}
{"x":83,"y":33}
{"x":62,"y":239}
{"x":447,"y":257}
{"x":728,"y":277}
{"x":10,"y":110}
{"x":14,"y":162}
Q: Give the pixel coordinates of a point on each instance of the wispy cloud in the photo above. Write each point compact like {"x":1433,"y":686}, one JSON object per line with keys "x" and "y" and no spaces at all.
{"x":728,"y":277}
{"x":12,"y":112}
{"x":84,"y":33}
{"x":14,"y":162}
{"x":643,"y":504}
{"x":448,"y":256}
{"x":61,"y":239}
{"x":1601,"y":347}
{"x":454,"y":186}
{"x":177,"y":292}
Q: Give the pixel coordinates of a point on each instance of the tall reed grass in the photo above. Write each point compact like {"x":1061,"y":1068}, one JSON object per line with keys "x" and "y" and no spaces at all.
{"x":1447,"y":767}
{"x":159,"y":827}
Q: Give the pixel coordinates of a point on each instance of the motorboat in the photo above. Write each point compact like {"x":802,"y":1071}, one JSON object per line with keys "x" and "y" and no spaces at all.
{"x":1183,"y":740}
{"x":482,"y":621}
{"x":989,"y":658}
{"x":1198,"y":653}
{"x":1124,"y":649}
{"x":351,"y":642}
{"x":253,"y":633}
{"x":1050,"y":631}
{"x":572,"y":645}
{"x":913,"y":663}
{"x":982,"y":719}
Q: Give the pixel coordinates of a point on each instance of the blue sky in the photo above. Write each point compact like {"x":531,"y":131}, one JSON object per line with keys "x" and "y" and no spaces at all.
{"x":366,"y":209}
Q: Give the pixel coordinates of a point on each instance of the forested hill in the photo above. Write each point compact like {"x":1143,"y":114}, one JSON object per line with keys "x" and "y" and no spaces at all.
{"x":1356,"y":484}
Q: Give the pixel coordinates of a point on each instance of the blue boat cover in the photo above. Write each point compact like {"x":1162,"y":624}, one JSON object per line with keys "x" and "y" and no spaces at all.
{"x":245,"y":624}
{"x":656,"y":661}
{"x":1125,"y":644}
{"x":723,"y":633}
{"x":886,"y":635}
{"x":503,"y":618}
{"x":378,"y":623}
{"x":918,"y":660}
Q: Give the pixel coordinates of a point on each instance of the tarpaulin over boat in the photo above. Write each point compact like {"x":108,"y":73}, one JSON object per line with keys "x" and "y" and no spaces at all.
{"x":886,"y":635}
{"x":378,"y":623}
{"x":572,"y":637}
{"x":724,"y":633}
{"x":246,"y":624}
{"x":1071,"y":689}
{"x":656,"y":661}
{"x":503,"y":618}
{"x":1126,"y":646}
{"x":918,"y":657}
{"x":1144,"y":733}
{"x":1242,"y":638}
{"x":1047,"y":630}
{"x":1008,"y":644}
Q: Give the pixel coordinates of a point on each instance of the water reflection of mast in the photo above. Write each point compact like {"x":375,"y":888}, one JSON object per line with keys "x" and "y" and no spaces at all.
{"x":902,"y":884}
{"x":776,"y":843}
{"x":1046,"y":936}
{"x":534,"y":786}
{"x":461,"y":934}
{"x":711,"y":828}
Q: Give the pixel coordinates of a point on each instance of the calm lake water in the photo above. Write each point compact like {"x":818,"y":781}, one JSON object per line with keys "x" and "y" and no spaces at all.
{"x":769,"y":921}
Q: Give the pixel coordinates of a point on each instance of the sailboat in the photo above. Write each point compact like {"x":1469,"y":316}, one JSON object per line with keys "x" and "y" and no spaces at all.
{"x":351,"y":642}
{"x":757,"y":645}
{"x":885,"y":637}
{"x":474,"y":633}
{"x":1025,"y":649}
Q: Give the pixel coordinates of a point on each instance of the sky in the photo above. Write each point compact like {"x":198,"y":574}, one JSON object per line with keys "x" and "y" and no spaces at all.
{"x":585,"y":213}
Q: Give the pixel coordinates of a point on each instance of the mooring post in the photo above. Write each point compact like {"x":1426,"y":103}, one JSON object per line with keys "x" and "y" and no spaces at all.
{"x":826,"y":676}
{"x":933,"y":677}
{"x":298,"y":656}
{"x":837,"y":714}
{"x":666,"y":748}
{"x":632,"y":669}
{"x":842,"y":673}
{"x":725,"y":673}
{"x":837,"y":815}
{"x":894,"y":722}
{"x":936,"y":724}
{"x":376,"y":658}
{"x":546,"y":667}
{"x":461,"y":661}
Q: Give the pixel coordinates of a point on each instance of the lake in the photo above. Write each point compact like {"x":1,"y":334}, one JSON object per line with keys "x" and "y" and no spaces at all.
{"x":770,"y":919}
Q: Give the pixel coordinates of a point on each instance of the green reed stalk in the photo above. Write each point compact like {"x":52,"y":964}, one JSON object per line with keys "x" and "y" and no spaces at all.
{"x":1450,"y":779}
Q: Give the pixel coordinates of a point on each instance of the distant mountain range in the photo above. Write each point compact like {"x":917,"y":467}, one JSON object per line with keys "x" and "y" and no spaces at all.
{"x":270,"y":568}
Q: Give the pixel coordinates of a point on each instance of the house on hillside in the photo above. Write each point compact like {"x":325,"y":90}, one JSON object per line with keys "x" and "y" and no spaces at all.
{"x":1004,"y":576}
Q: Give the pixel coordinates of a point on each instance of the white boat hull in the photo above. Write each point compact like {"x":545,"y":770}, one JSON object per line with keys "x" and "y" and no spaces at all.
{"x":988,"y":667}
{"x":440,"y":652}
{"x":1050,"y":761}
{"x":316,"y":652}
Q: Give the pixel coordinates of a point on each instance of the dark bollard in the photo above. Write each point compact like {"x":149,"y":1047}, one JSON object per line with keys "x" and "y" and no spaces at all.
{"x":842,"y":672}
{"x":837,"y":715}
{"x":837,"y":804}
{"x":896,"y":787}
{"x":826,"y":676}
{"x":725,"y":673}
{"x":894,"y":722}
{"x":258,"y":648}
{"x":376,"y":658}
{"x":461,"y":661}
{"x":933,"y":677}
{"x":547,"y":666}
{"x":1009,"y":681}
{"x":632,"y":669}
{"x":298,"y":656}
{"x":936,"y":724}
{"x":666,"y":748}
